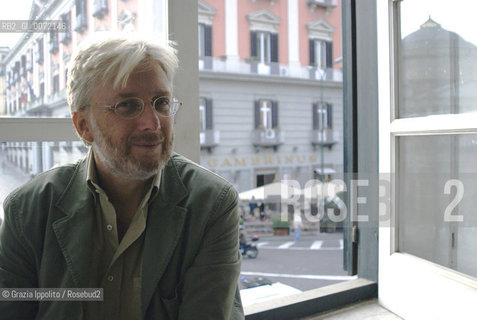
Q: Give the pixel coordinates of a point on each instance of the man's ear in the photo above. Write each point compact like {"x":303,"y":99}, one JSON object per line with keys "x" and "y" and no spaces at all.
{"x":83,"y":125}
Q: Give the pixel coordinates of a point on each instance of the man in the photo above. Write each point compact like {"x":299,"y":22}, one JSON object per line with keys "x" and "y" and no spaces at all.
{"x":157,"y":232}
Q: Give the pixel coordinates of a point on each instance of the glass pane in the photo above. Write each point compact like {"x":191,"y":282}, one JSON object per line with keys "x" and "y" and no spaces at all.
{"x":437,"y":188}
{"x":438,"y":58}
{"x":266,"y":118}
{"x":36,"y":63}
{"x":21,"y":161}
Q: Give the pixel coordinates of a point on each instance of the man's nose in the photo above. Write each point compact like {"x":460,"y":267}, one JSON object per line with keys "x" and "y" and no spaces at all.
{"x":149,"y":119}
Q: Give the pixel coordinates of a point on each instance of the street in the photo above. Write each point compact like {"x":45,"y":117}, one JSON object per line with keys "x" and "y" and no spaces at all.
{"x":314,"y":261}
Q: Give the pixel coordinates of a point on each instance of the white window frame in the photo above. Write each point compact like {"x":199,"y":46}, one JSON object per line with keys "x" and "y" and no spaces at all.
{"x":410,"y":286}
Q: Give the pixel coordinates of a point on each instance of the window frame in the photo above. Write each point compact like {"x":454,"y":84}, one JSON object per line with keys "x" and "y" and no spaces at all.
{"x":394,"y":287}
{"x":182,"y":21}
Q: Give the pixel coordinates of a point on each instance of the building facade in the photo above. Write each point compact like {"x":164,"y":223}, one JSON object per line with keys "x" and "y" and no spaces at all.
{"x":270,"y":90}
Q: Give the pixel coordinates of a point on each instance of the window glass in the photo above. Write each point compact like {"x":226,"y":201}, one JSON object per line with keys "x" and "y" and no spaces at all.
{"x":435,"y":174}
{"x":280,"y":120}
{"x":436,"y":194}
{"x":21,"y":161}
{"x":33,"y":74}
{"x":438,"y":50}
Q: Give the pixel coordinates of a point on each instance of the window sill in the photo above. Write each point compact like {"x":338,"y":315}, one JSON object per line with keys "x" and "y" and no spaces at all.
{"x":314,"y":301}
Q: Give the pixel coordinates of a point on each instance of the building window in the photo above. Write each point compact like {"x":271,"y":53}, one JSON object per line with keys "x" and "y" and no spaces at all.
{"x":42,"y":89}
{"x":206,"y":116}
{"x":56,"y":83}
{"x":266,"y":114}
{"x":81,"y":16}
{"x":321,"y":53}
{"x":65,"y":37}
{"x":54,"y":42}
{"x":100,"y":8}
{"x":264,"y":46}
{"x":322,"y":116}
{"x":40,"y":56}
{"x":205,"y":40}
{"x":23,"y":66}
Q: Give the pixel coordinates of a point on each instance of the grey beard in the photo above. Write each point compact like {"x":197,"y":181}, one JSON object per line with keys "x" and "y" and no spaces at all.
{"x":126,"y":169}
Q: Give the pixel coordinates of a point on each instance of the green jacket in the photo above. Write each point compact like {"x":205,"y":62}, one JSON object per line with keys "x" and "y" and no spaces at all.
{"x":191,"y":261}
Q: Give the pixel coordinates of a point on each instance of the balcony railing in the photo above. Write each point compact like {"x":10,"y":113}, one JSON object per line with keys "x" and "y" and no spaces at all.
{"x":222,"y":64}
{"x":323,"y":3}
{"x":209,"y":139}
{"x":326,"y":137}
{"x":267,"y":138}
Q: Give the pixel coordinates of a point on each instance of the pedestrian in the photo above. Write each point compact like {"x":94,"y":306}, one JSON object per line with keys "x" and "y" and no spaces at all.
{"x":157,"y":232}
{"x":297,"y":225}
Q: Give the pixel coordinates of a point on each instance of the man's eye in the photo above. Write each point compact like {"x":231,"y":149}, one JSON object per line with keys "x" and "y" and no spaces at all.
{"x":128,"y":106}
{"x":162,"y":101}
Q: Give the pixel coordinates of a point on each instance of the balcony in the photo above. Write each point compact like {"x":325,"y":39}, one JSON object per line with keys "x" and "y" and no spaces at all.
{"x":322,"y":3}
{"x":263,"y":68}
{"x":326,"y":138}
{"x":100,"y":8}
{"x":249,"y":66}
{"x":209,"y":139}
{"x":267,"y":138}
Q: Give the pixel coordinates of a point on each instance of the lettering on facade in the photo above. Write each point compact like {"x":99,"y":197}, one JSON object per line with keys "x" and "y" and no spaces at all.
{"x":216,"y":162}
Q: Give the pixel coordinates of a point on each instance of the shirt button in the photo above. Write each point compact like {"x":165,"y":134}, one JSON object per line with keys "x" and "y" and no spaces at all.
{"x":110,"y":278}
{"x":109,"y":227}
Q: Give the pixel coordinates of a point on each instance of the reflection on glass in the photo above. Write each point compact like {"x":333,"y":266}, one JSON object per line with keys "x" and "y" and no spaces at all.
{"x":21,"y":161}
{"x":438,"y":68}
{"x":433,"y":173}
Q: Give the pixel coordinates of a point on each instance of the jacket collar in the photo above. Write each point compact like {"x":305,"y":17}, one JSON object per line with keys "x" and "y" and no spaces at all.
{"x":74,"y":231}
{"x":163,"y":230}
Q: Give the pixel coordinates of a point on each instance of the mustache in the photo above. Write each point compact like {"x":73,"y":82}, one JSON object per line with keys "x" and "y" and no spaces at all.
{"x":148,"y":138}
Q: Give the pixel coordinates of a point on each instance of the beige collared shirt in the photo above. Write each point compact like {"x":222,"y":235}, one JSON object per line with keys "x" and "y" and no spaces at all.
{"x":116,"y":266}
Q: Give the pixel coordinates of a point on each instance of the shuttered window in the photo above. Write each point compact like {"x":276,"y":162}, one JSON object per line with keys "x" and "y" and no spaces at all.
{"x":322,"y":116}
{"x":264,"y":46}
{"x":321,"y":53}
{"x":205,"y":40}
{"x":206,"y":115}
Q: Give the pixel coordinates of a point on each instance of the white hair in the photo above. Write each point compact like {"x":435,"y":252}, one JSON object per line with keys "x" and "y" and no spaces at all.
{"x":113,"y":56}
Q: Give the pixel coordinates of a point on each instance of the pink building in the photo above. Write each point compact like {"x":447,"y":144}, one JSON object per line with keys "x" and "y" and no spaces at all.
{"x":270,"y":89}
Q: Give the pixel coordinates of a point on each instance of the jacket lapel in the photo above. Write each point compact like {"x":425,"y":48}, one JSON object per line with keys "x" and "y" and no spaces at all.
{"x":74,"y":231}
{"x":163,"y":230}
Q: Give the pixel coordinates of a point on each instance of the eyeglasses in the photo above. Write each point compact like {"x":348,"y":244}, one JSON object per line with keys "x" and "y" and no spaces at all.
{"x":131,"y":108}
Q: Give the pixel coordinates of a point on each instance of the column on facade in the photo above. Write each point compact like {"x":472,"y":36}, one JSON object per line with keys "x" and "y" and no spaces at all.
{"x":293,"y":39}
{"x":231,"y":36}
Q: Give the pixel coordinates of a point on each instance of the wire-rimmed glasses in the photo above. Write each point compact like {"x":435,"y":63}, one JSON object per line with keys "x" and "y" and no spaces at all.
{"x":130,"y":108}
